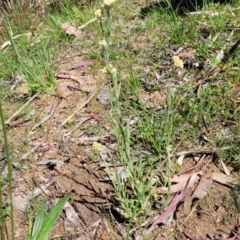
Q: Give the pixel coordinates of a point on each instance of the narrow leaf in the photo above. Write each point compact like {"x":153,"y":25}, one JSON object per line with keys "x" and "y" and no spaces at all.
{"x":40,"y":219}
{"x":51,"y":219}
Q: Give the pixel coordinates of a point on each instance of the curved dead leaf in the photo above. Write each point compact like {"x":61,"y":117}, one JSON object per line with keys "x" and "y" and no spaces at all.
{"x":62,"y":90}
{"x":170,"y":209}
{"x":202,"y":188}
{"x":183,"y":181}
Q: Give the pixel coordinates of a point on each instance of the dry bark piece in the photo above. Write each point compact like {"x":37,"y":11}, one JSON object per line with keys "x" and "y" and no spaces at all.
{"x":202,"y":188}
{"x":224,"y":179}
{"x":71,"y":222}
{"x":20,"y":203}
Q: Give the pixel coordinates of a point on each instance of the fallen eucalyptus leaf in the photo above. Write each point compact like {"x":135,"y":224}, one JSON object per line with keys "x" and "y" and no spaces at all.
{"x":224,"y":179}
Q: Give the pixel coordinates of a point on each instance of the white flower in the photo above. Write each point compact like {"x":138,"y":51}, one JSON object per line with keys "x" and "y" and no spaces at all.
{"x":114,"y":70}
{"x":103,"y":43}
{"x":109,"y":3}
{"x":98,"y":13}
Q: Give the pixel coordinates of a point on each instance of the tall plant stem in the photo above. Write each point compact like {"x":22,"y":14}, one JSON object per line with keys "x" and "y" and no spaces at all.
{"x":9,"y":176}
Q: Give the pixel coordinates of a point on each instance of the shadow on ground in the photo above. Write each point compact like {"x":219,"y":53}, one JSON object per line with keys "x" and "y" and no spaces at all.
{"x":180,"y":7}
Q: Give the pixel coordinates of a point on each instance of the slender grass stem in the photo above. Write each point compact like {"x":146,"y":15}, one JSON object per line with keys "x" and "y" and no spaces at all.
{"x":9,"y":165}
{"x":2,"y":216}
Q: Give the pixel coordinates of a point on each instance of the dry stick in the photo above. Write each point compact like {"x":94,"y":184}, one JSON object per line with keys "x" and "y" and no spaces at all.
{"x":8,"y":43}
{"x":77,"y":126}
{"x":78,"y":109}
{"x":45,"y":119}
{"x":189,"y":215}
{"x":87,"y":23}
{"x":26,"y":155}
{"x":16,"y":113}
{"x":212,"y":73}
{"x":200,"y":150}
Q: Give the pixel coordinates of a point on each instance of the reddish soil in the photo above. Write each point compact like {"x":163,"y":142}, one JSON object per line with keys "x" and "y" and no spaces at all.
{"x":71,"y":145}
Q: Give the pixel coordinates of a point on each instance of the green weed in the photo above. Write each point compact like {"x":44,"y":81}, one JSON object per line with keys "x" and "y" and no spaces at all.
{"x":44,"y":222}
{"x":37,"y":68}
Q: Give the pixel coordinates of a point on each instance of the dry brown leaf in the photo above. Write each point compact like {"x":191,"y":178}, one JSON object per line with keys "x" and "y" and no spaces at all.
{"x":170,"y":209}
{"x":187,"y":180}
{"x":202,"y":188}
{"x":62,"y":90}
{"x":71,"y":222}
{"x":184,"y":177}
{"x":70,"y":30}
{"x":84,"y":64}
{"x":224,"y":179}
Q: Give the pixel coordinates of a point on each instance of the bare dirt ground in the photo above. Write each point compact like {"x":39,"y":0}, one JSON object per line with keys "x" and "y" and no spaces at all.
{"x":74,"y":167}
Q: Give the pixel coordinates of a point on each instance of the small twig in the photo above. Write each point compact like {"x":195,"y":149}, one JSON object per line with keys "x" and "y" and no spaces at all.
{"x":78,"y":109}
{"x":211,"y":13}
{"x":87,"y":23}
{"x":8,"y":43}
{"x":25,"y":156}
{"x":77,"y":126}
{"x":78,"y":89}
{"x":212,"y":73}
{"x":45,"y":119}
{"x":193,"y":209}
{"x":200,"y":150}
{"x":16,"y":113}
{"x":3,"y":160}
{"x":194,"y":167}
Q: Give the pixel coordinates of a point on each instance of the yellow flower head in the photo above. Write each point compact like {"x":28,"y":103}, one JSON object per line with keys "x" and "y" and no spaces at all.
{"x":109,"y":69}
{"x":98,"y":13}
{"x":108,"y":3}
{"x":169,"y":148}
{"x":104,"y":70}
{"x":177,"y":61}
{"x":97,"y":146}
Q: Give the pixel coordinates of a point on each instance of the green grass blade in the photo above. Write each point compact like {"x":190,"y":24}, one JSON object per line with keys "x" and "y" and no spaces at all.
{"x":9,"y":177}
{"x":51,"y":219}
{"x":39,"y":221}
